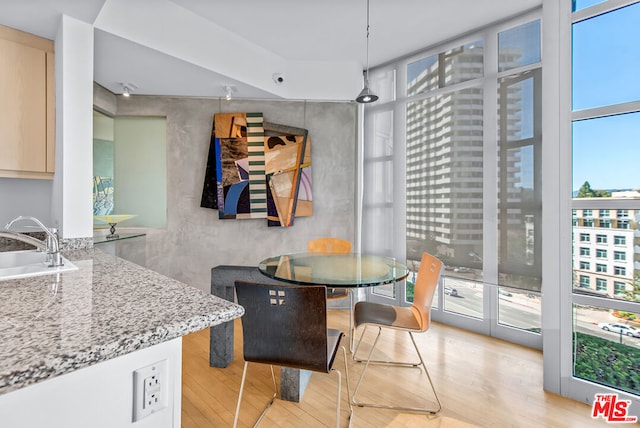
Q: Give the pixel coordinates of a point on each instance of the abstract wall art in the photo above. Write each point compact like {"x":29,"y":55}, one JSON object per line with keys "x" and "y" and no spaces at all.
{"x":257,"y":169}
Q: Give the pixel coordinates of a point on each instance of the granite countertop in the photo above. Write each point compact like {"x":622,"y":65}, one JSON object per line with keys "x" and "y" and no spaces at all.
{"x":107,"y":308}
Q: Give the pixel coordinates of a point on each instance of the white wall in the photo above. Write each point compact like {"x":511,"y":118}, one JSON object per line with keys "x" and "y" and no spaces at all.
{"x":72,"y":195}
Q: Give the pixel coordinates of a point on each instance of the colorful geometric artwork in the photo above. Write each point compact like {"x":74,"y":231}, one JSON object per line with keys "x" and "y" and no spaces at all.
{"x":102,"y":195}
{"x":257,"y":169}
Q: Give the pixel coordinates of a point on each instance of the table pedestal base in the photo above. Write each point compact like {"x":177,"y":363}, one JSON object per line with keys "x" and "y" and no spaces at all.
{"x":293,"y":383}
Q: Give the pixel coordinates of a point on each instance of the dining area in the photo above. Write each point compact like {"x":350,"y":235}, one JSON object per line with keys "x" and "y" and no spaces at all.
{"x":266,"y":374}
{"x":481,"y":382}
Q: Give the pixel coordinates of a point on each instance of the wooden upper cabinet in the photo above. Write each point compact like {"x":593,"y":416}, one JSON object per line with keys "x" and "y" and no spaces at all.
{"x":27,"y":123}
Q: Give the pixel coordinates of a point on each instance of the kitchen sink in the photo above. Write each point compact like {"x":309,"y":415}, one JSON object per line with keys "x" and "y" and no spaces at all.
{"x":23,"y":264}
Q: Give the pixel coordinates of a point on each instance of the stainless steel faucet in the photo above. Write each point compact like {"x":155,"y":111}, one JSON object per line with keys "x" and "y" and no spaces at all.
{"x":50,"y":245}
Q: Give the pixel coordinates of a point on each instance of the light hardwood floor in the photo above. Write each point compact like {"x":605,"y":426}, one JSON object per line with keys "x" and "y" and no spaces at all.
{"x":482,"y":382}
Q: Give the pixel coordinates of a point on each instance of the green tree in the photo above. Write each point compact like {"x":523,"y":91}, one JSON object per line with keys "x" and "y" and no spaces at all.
{"x":633,"y":294}
{"x":586,"y":191}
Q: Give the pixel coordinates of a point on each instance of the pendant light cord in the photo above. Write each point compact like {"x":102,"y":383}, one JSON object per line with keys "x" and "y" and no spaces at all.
{"x":366,"y":76}
{"x":366,"y":96}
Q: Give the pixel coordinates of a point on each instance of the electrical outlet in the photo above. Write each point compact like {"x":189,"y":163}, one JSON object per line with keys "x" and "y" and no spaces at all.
{"x":150,"y":389}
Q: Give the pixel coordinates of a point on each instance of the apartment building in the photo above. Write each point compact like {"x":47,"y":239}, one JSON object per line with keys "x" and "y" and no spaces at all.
{"x":605,"y":249}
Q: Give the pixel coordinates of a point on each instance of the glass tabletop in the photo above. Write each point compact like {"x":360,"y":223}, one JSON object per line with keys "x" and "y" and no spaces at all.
{"x":342,"y":270}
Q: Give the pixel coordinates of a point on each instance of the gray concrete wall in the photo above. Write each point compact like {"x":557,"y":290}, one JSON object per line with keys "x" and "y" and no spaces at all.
{"x":104,"y":100}
{"x":195,"y":239}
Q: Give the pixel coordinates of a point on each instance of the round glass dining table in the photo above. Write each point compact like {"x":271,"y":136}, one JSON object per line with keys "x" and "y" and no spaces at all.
{"x":349,"y":270}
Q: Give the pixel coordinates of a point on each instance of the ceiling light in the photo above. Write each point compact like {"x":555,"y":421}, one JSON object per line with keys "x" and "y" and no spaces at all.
{"x":366,"y":96}
{"x":229,"y":90}
{"x":128,"y":88}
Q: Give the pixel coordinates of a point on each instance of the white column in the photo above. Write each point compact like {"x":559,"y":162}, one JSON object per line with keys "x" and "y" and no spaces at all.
{"x":556,"y":190}
{"x":72,"y":194}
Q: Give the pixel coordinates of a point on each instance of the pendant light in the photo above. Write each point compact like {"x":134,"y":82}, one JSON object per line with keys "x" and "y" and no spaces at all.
{"x":366,"y":96}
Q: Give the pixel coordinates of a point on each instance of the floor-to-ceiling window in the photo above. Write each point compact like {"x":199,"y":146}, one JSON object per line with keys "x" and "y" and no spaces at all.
{"x":452,"y":166}
{"x":563,"y":208}
{"x":605,"y":209}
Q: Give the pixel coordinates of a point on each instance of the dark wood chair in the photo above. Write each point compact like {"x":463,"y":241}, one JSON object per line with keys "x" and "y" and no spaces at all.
{"x":285,"y":325}
{"x":413,"y":319}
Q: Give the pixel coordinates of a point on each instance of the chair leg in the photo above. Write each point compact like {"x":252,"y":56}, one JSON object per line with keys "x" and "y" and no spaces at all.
{"x":375,"y":342}
{"x":385,"y":406}
{"x":244,"y":375}
{"x":354,"y":352}
{"x":264,"y":412}
{"x":338,"y":403}
{"x":352,"y":329}
{"x":346,"y":373}
{"x":383,"y":362}
{"x":424,"y":366}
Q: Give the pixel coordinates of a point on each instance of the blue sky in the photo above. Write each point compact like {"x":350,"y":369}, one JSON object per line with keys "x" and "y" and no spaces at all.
{"x":606,"y":64}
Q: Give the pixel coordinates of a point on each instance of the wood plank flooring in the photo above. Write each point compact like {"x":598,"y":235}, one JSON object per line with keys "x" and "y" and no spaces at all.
{"x":481,"y":382}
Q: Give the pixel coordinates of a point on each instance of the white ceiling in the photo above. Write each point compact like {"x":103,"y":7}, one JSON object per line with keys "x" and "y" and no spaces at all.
{"x":308,"y":39}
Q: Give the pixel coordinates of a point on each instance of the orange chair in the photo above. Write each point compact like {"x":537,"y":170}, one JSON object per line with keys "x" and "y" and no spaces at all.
{"x":413,"y":319}
{"x":329,"y":245}
{"x":335,"y":245}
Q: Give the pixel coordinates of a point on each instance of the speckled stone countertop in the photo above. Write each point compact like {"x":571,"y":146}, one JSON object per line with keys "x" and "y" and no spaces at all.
{"x":107,"y":308}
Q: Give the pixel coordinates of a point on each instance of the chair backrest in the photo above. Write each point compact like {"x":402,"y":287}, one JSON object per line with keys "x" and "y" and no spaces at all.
{"x":329,"y":245}
{"x":285,"y":325}
{"x":425,"y":287}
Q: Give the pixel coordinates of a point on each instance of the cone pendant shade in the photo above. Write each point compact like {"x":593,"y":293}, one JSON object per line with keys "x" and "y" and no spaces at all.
{"x":366,"y":96}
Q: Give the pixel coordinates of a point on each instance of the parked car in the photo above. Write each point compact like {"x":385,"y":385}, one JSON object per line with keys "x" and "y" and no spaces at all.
{"x":504,"y":292}
{"x":620,"y":328}
{"x":451,"y":291}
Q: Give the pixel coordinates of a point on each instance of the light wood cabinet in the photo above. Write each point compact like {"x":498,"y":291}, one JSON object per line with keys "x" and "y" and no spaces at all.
{"x":27,"y":122}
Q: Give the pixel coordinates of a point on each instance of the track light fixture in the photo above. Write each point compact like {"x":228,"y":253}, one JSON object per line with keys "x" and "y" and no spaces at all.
{"x":229,"y":90}
{"x":366,"y":96}
{"x":128,"y":88}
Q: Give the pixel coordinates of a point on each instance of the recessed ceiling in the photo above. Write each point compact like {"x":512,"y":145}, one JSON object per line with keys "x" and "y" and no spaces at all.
{"x":296,"y":32}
